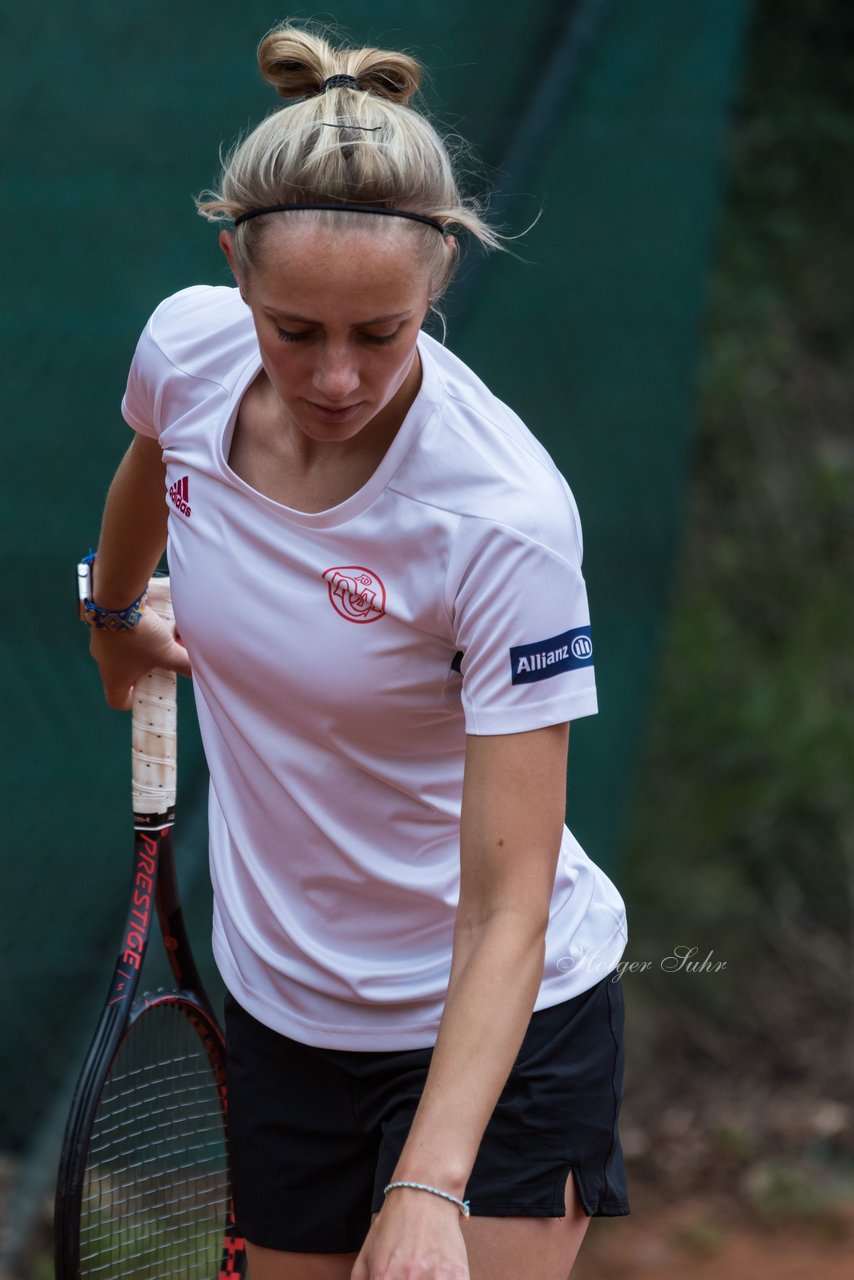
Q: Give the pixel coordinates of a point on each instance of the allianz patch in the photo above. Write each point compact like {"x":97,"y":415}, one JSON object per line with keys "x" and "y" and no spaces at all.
{"x":530,"y":662}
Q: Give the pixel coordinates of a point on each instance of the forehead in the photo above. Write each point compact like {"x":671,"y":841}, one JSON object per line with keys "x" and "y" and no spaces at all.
{"x":298,"y":264}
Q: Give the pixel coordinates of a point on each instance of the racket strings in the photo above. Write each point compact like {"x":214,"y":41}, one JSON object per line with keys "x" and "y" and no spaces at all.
{"x":155,"y":1192}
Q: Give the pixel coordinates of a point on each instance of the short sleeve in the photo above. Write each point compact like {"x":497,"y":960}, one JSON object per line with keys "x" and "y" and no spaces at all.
{"x":148,"y":373}
{"x":522,"y":627}
{"x":194,"y":339}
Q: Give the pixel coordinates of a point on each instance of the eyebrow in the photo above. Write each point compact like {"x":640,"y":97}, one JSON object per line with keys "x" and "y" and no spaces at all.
{"x":360,"y":324}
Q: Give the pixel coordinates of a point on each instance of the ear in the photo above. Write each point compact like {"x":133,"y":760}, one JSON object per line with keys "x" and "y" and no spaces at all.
{"x":226,"y":243}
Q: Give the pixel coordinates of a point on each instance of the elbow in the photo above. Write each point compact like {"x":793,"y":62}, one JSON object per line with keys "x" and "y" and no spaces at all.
{"x":526,"y":922}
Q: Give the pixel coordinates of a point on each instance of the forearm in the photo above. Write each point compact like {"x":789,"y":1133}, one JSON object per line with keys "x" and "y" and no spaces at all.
{"x":133,"y":529}
{"x":496,"y":973}
{"x":510,"y":835}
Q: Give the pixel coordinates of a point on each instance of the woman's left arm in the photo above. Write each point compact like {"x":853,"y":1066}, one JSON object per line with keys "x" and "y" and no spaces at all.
{"x":514,"y":801}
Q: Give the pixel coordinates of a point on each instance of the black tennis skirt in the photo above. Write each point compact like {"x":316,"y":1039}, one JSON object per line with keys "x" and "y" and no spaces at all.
{"x":315,"y":1134}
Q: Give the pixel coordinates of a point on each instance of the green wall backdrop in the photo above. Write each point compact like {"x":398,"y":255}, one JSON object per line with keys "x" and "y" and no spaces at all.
{"x":608,"y":118}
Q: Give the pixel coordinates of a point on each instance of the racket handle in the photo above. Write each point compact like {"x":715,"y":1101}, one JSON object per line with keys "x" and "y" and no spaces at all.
{"x":154,"y":742}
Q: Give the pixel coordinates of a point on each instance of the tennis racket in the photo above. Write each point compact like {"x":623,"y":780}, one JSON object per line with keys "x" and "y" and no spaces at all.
{"x":143,"y":1188}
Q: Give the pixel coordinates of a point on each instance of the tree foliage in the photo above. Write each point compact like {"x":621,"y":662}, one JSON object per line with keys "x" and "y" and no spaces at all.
{"x":743,"y":837}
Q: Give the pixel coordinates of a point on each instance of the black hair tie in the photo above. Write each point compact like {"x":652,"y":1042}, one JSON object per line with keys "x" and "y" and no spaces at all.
{"x":339,"y":82}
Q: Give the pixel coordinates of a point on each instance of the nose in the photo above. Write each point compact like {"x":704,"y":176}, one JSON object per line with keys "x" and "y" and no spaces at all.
{"x":336,"y":375}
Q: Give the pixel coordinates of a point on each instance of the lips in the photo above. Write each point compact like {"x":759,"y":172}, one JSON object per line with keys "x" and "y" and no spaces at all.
{"x":334,"y":413}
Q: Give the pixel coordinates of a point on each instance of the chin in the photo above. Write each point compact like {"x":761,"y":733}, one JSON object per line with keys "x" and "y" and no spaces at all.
{"x":323,"y":431}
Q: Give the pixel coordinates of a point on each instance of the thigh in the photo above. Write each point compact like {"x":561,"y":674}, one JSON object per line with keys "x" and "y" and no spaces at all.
{"x":521,"y":1248}
{"x":526,"y":1248}
{"x":275,"y":1264}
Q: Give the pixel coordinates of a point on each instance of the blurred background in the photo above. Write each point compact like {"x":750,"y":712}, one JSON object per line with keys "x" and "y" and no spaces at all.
{"x":677,"y":328}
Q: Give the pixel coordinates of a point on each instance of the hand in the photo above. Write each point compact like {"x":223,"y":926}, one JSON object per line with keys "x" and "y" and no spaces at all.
{"x":415,"y":1236}
{"x":123,"y":657}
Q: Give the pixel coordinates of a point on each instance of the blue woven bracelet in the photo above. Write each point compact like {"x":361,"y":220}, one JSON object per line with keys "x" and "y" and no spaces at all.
{"x":108,"y":619}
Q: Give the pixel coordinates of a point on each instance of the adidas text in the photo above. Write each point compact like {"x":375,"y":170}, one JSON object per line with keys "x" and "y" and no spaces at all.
{"x":179,"y":492}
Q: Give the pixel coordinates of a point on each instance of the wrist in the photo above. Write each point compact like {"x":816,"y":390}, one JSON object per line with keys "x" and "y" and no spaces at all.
{"x":452,"y":1179}
{"x":109,"y":594}
{"x":116,"y":601}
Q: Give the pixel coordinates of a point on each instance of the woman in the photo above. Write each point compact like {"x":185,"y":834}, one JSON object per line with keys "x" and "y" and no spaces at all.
{"x":376,"y":574}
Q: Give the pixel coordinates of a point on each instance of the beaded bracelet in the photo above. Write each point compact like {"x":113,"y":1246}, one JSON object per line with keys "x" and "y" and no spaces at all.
{"x":105,"y":619}
{"x":462,"y":1205}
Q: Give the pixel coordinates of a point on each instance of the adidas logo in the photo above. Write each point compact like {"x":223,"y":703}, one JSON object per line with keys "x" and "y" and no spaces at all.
{"x":179,"y":492}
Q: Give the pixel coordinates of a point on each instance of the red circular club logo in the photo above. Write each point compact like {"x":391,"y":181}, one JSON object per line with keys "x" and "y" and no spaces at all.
{"x":355,"y":592}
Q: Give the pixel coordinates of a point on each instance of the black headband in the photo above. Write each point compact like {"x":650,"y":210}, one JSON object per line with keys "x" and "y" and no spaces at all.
{"x":339,"y":82}
{"x":348,"y":208}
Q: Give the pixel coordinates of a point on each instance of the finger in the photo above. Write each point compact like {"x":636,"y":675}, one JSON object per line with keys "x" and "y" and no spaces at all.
{"x":118,"y":696}
{"x":179,"y":660}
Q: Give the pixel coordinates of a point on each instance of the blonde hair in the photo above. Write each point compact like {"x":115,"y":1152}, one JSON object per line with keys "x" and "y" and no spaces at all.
{"x":361,"y":145}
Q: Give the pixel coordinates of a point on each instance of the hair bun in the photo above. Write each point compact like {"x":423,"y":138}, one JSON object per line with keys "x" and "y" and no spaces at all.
{"x":395,"y":76}
{"x":292,"y":62}
{"x":297,"y":62}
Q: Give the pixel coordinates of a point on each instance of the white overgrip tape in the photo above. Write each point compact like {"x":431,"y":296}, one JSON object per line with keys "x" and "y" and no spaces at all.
{"x":154,"y":747}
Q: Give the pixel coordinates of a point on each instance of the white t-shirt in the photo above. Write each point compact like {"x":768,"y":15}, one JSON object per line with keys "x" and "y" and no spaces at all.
{"x":339,"y":660}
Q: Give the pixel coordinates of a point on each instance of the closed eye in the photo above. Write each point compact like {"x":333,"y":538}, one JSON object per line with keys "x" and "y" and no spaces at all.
{"x":381,"y":342}
{"x":289,"y":335}
{"x":303,"y":335}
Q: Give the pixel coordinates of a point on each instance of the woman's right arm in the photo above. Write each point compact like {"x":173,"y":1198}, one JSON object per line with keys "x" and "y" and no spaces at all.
{"x":133,"y":538}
